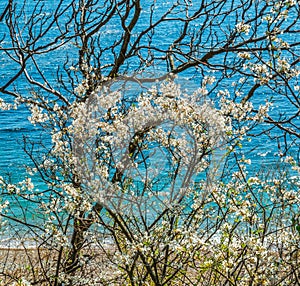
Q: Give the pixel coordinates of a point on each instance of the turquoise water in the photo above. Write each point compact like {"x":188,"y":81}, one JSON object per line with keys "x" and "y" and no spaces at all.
{"x":14,"y":124}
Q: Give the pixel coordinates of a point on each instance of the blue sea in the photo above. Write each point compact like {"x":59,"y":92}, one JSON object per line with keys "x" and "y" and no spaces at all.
{"x":14,"y":125}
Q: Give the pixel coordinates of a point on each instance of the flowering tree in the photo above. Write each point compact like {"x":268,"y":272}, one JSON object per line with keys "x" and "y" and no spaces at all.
{"x":140,"y":167}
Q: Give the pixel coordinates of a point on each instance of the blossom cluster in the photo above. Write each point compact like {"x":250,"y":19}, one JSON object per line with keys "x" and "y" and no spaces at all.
{"x":187,"y":126}
{"x":242,"y":27}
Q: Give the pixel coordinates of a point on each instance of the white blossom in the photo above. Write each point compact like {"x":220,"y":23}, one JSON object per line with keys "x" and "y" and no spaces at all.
{"x":37,"y":115}
{"x":241,"y":27}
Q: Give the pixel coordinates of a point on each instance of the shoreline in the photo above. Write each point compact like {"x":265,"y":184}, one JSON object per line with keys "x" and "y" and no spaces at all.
{"x":11,"y":243}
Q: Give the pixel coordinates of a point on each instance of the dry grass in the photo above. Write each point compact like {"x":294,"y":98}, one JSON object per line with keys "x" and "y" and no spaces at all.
{"x":19,"y":263}
{"x":38,"y":266}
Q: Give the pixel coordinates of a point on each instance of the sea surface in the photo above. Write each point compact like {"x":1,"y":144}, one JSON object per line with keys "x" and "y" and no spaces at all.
{"x":15,"y":126}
